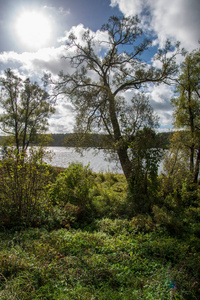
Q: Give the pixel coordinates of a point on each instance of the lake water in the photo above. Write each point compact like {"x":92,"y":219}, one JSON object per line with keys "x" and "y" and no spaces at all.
{"x":98,"y":162}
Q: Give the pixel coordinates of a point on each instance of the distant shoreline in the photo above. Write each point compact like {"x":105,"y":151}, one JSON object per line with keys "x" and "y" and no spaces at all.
{"x":92,"y":140}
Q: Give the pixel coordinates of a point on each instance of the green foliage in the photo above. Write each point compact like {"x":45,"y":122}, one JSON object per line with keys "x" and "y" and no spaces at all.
{"x":143,"y":184}
{"x":175,"y":167}
{"x":26,"y":109}
{"x":91,"y":195}
{"x":73,"y":187}
{"x":113,"y":256}
{"x":108,"y":195}
{"x":187,"y":103}
{"x":178,"y":208}
{"x":136,"y":225}
{"x":179,"y":205}
{"x":187,"y":111}
{"x":24,"y":179}
{"x":62,"y":216}
{"x":114,"y":262}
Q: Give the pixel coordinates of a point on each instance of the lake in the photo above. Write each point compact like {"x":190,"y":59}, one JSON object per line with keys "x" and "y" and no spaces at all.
{"x":98,"y":162}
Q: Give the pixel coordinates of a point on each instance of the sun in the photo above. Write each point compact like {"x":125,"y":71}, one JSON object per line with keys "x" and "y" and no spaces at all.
{"x":33,"y":29}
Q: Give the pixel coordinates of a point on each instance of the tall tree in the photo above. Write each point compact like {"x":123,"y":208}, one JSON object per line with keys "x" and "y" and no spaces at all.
{"x":97,"y":86}
{"x":26,"y":108}
{"x":187,"y":110}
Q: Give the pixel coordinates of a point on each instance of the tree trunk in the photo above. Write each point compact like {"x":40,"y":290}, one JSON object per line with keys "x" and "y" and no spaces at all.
{"x":121,"y":148}
{"x":192,"y":158}
{"x":191,"y":119}
{"x":196,"y":170}
{"x":125,"y":162}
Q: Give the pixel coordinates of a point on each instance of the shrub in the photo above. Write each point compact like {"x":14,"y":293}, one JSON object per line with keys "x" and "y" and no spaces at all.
{"x":108,"y":195}
{"x":24,"y":178}
{"x":141,"y":223}
{"x":179,"y":208}
{"x":72,"y":190}
{"x":113,"y":227}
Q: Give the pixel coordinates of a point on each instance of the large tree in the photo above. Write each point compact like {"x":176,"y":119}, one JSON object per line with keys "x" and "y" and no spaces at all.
{"x":187,"y":111}
{"x":100,"y":79}
{"x":26,"y":108}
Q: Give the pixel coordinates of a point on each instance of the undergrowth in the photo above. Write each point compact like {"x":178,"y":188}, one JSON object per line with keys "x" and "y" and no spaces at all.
{"x":119,"y":260}
{"x":85,"y":244}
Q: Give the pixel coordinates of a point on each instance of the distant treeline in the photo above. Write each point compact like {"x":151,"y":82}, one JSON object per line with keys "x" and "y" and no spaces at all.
{"x":93,"y":140}
{"x":97,"y":140}
{"x":74,"y":139}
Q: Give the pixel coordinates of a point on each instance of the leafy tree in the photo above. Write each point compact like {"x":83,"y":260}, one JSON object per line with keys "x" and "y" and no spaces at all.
{"x":97,"y":86}
{"x":187,"y":111}
{"x":24,"y":180}
{"x":23,"y":176}
{"x":175,"y":167}
{"x":179,"y":185}
{"x":26,"y":108}
{"x":143,"y":184}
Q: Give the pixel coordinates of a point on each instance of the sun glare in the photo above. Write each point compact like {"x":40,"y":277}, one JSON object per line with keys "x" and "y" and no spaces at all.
{"x":33,"y":29}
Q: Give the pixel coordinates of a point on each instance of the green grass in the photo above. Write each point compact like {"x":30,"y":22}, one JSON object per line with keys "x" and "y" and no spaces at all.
{"x":94,"y":250}
{"x":118,"y":260}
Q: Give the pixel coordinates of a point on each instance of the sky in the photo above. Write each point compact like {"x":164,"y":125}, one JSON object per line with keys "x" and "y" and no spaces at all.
{"x":50,"y":21}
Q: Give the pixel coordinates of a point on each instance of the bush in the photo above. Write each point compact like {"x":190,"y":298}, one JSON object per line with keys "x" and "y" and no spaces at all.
{"x":179,"y":208}
{"x":72,"y":188}
{"x":108,"y":195}
{"x":113,"y":227}
{"x":24,"y":179}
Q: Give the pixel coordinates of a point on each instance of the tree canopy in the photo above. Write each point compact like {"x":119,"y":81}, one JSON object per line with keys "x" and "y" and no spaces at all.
{"x":99,"y":81}
{"x":26,"y":108}
{"x":187,"y":110}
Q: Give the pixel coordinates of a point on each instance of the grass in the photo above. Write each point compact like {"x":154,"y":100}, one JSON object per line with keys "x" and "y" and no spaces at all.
{"x":93,"y":249}
{"x":115,"y":261}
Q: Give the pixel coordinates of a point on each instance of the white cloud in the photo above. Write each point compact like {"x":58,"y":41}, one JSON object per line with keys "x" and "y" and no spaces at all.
{"x":36,"y":63}
{"x":129,"y":7}
{"x":173,"y":19}
{"x":64,"y":124}
{"x":60,"y":11}
{"x":64,"y":118}
{"x":160,"y":97}
{"x":63,"y":11}
{"x":79,"y":31}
